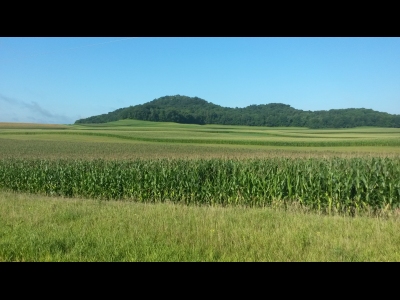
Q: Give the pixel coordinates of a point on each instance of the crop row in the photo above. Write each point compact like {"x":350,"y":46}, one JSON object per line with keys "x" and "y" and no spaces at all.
{"x":266,"y":142}
{"x":315,"y":182}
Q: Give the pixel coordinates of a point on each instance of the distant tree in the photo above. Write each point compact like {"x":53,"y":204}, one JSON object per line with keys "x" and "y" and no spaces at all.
{"x":193,"y":110}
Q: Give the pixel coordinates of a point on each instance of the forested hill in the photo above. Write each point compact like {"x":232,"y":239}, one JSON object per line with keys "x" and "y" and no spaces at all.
{"x":193,"y":110}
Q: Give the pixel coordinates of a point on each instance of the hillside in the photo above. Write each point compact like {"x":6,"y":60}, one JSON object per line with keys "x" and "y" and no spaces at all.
{"x":193,"y":110}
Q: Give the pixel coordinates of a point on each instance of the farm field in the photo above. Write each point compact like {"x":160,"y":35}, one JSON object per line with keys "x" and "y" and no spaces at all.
{"x":129,"y":139}
{"x":339,"y":187}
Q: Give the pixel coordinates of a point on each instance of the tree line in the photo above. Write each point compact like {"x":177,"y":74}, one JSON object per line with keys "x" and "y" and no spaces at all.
{"x":193,"y":110}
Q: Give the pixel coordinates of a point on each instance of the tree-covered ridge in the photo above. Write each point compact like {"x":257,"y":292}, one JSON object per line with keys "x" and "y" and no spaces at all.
{"x":193,"y":110}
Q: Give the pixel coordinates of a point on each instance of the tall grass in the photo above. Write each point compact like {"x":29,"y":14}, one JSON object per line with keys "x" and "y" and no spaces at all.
{"x":37,"y":228}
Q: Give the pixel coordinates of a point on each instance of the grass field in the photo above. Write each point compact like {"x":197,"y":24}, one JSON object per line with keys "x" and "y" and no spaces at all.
{"x":35,"y":228}
{"x":324,"y":195}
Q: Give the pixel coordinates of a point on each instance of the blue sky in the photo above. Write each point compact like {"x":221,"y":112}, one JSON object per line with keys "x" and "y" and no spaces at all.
{"x":60,"y":80}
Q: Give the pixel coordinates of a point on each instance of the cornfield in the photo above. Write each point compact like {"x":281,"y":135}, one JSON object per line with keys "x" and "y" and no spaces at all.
{"x":318,"y":183}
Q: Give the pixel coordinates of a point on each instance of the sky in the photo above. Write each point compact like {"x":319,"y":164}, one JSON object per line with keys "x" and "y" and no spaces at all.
{"x":62,"y":79}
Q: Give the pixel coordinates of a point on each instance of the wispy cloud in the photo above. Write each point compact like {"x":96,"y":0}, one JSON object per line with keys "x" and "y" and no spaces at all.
{"x":21,"y":111}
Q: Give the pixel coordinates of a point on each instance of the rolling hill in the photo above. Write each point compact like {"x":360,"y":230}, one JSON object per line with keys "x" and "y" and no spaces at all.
{"x":193,"y":110}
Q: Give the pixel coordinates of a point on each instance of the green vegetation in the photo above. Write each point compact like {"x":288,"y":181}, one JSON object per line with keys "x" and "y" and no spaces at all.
{"x":4,"y":125}
{"x":188,"y":110}
{"x":192,"y":192}
{"x":253,"y":166}
{"x":221,"y":136}
{"x":36,"y":228}
{"x":321,"y":184}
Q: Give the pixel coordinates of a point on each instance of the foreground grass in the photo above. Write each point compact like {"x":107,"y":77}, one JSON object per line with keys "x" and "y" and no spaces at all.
{"x":36,"y":228}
